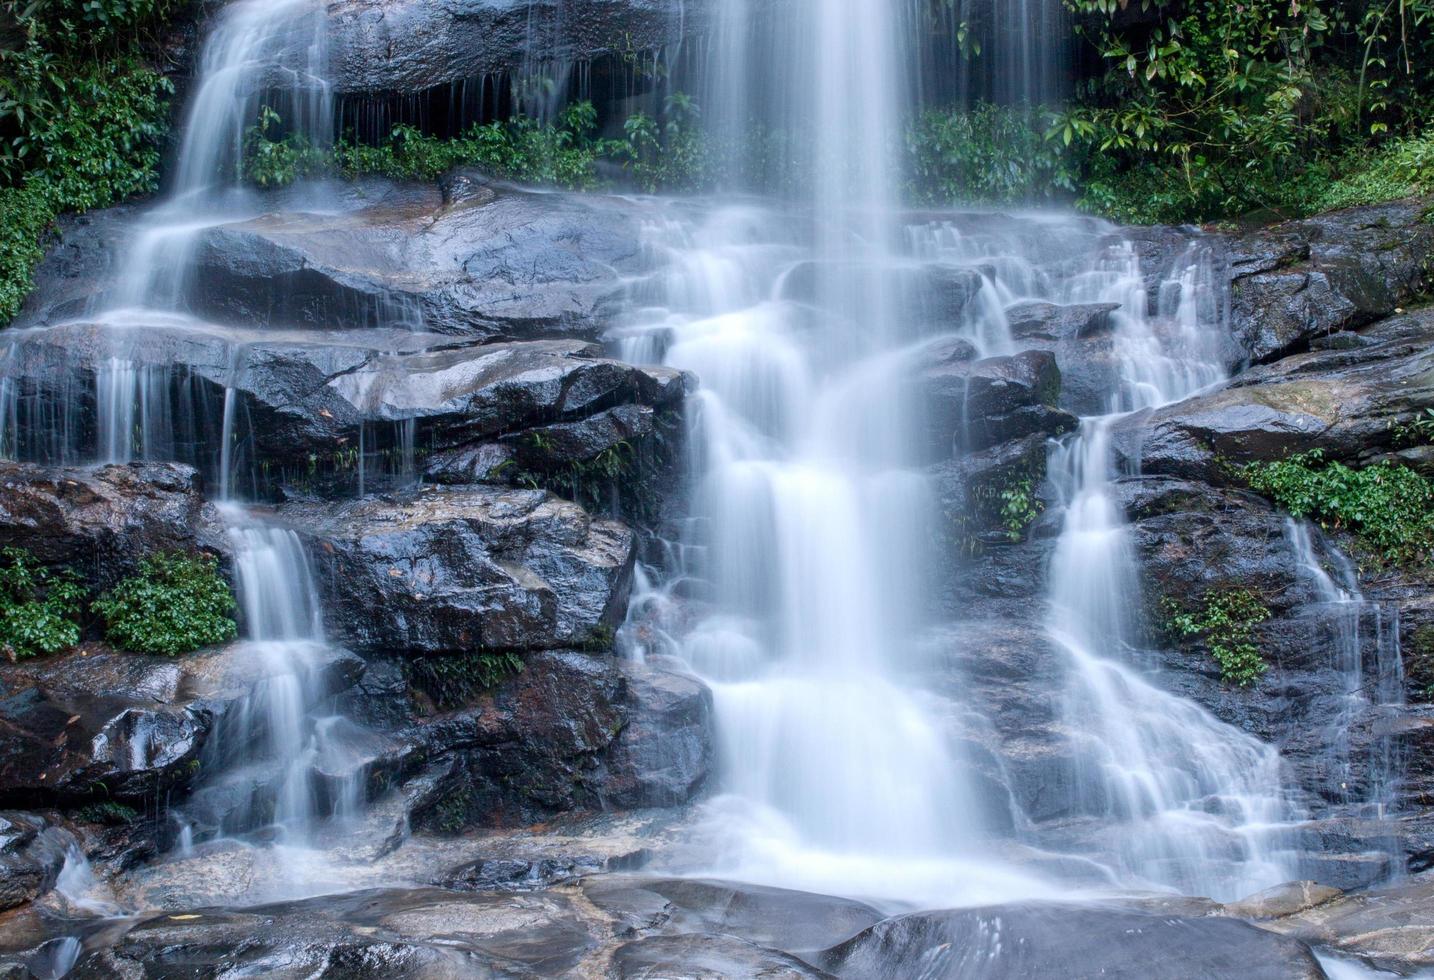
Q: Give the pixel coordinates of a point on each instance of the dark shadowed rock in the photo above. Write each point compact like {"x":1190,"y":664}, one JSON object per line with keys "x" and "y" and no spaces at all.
{"x":407,"y":46}
{"x":569,"y":732}
{"x":32,"y":852}
{"x":1298,"y":280}
{"x":102,"y":520}
{"x":304,"y":406}
{"x":1348,"y":403}
{"x":99,"y":724}
{"x":451,"y":569}
{"x":1022,"y":941}
{"x":972,"y":405}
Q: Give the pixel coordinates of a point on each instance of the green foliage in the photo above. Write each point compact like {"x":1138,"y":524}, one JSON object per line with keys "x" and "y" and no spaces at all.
{"x":1019,"y":508}
{"x":274,"y":159}
{"x":1225,"y":620}
{"x":177,"y":603}
{"x":25,"y":213}
{"x":1208,"y":109}
{"x":38,"y":608}
{"x":109,"y":813}
{"x":82,"y":117}
{"x":1388,"y":506}
{"x":454,"y":680}
{"x":989,"y":155}
{"x":1401,"y":168}
{"x":671,"y":155}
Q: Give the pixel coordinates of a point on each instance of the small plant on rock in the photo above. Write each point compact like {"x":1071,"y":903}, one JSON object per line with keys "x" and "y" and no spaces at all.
{"x":1225,"y":620}
{"x":177,"y":603}
{"x":38,"y":607}
{"x":1019,"y":507}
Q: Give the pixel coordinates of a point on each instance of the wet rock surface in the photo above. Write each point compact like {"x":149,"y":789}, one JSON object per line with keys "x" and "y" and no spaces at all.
{"x":1296,"y":281}
{"x":102,"y":725}
{"x":1347,"y":403}
{"x":405,"y":46}
{"x":458,"y":569}
{"x":569,"y":732}
{"x":976,"y":404}
{"x":101,"y":520}
{"x":1064,"y":940}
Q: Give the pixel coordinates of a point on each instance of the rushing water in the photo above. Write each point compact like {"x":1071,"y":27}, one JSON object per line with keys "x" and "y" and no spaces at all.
{"x":800,"y":582}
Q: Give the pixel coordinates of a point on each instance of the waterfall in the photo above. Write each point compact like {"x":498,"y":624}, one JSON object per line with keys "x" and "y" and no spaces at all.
{"x":1187,"y":802}
{"x":274,"y":753}
{"x":1355,"y":626}
{"x":259,"y":53}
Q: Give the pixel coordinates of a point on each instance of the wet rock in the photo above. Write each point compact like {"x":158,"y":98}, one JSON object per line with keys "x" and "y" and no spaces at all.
{"x":314,"y":409}
{"x":381,"y":935}
{"x":1391,"y":926}
{"x":969,"y":489}
{"x":1011,"y":675}
{"x":406,"y":47}
{"x":1347,"y":403}
{"x":100,"y":724}
{"x":466,"y":569}
{"x":664,"y":753}
{"x":1298,"y":280}
{"x":1283,"y":900}
{"x":706,"y":958}
{"x":517,"y":265}
{"x":1040,"y":321}
{"x":32,"y":852}
{"x":569,"y":732}
{"x":1019,"y":941}
{"x":777,"y":918}
{"x":101,"y":520}
{"x":972,"y":405}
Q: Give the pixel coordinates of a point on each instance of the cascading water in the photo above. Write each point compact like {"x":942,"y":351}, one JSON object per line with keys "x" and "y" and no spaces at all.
{"x":1372,"y":685}
{"x":270,"y":756}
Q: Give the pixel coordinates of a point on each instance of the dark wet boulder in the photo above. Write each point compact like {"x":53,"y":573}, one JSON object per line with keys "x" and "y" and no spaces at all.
{"x":466,"y":569}
{"x":778,"y":918}
{"x":370,"y":935}
{"x":327,"y":410}
{"x":32,"y":852}
{"x":1299,"y":280}
{"x":1020,"y":941}
{"x":972,"y":405}
{"x":101,"y":520}
{"x":705,"y":957}
{"x":1053,"y":322}
{"x":97,"y":724}
{"x":570,"y":731}
{"x":404,"y":46}
{"x":1348,"y":403}
{"x":517,"y":265}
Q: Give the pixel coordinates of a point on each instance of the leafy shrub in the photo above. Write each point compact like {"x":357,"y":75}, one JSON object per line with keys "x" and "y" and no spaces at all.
{"x":1019,"y":508}
{"x":988,"y":155}
{"x":1388,"y":506}
{"x":82,"y":118}
{"x":563,"y":154}
{"x":38,"y":608}
{"x":177,"y":603}
{"x":1207,"y":109}
{"x":1402,"y":168}
{"x":1226,"y":621}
